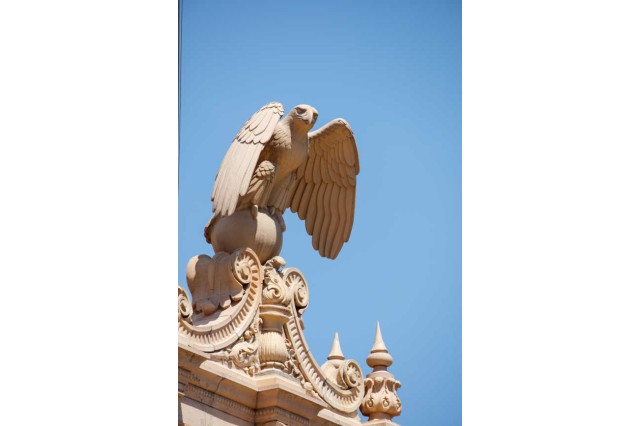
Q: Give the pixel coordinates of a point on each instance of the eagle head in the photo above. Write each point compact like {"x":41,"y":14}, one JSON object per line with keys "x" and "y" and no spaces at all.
{"x":304,"y":115}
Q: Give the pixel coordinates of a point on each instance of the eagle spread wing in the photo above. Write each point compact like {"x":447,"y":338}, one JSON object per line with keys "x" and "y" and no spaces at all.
{"x":240,"y":161}
{"x":324,"y":192}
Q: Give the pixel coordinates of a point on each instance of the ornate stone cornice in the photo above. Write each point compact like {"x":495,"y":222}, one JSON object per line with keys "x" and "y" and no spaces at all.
{"x":265,"y":415}
{"x":262,"y":329}
{"x":219,"y":402}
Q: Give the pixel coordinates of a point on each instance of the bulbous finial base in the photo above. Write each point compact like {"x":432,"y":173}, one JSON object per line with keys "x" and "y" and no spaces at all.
{"x":262,"y":233}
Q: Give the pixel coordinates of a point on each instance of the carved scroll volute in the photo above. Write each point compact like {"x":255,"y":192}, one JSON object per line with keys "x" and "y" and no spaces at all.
{"x":349,"y":374}
{"x":246,"y":266}
{"x":298,"y":287}
{"x":184,"y":305}
{"x":232,"y":280}
{"x":346,"y":374}
{"x":218,"y":282}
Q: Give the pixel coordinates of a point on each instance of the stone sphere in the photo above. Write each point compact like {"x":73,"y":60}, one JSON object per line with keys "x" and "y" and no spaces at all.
{"x":240,"y":230}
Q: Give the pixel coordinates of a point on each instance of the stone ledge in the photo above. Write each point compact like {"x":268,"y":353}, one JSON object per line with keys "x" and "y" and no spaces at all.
{"x":211,"y":393}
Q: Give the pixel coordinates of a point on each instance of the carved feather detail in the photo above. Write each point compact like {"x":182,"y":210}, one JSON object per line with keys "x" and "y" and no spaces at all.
{"x":240,"y":161}
{"x":277,"y":164}
{"x":324,"y":195}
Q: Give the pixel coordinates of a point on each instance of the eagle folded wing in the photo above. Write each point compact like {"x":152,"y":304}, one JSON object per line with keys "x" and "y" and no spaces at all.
{"x":324,"y":193}
{"x":240,"y":161}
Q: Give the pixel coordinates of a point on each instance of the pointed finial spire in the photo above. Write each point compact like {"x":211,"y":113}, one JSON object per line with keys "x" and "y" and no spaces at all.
{"x":379,"y":358}
{"x":378,"y":343}
{"x":336,"y":350}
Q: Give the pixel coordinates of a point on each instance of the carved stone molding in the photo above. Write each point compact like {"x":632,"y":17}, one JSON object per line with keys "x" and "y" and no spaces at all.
{"x":345,"y":398}
{"x":263,"y":329}
{"x":221,"y":403}
{"x":275,"y":414}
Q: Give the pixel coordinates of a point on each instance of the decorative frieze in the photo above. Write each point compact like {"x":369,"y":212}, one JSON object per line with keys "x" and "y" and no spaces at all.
{"x":277,"y":414}
{"x":219,"y":402}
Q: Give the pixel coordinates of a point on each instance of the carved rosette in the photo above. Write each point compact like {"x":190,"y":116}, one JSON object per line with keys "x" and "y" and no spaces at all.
{"x":349,"y":374}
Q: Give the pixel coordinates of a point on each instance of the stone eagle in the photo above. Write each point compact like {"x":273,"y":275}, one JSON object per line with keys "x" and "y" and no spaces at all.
{"x":275,"y":164}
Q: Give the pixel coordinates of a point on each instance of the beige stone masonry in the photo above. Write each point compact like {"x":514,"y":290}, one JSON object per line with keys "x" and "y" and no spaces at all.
{"x":242,"y":355}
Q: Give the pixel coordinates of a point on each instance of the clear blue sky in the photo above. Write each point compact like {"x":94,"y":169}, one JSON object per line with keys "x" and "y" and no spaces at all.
{"x":393,"y":70}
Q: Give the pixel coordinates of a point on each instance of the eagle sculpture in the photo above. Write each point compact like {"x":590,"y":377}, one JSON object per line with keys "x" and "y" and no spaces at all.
{"x":274,"y":164}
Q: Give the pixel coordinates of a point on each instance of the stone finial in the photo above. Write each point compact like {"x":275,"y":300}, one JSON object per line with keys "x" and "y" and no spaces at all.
{"x":379,"y":358}
{"x":380,"y":401}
